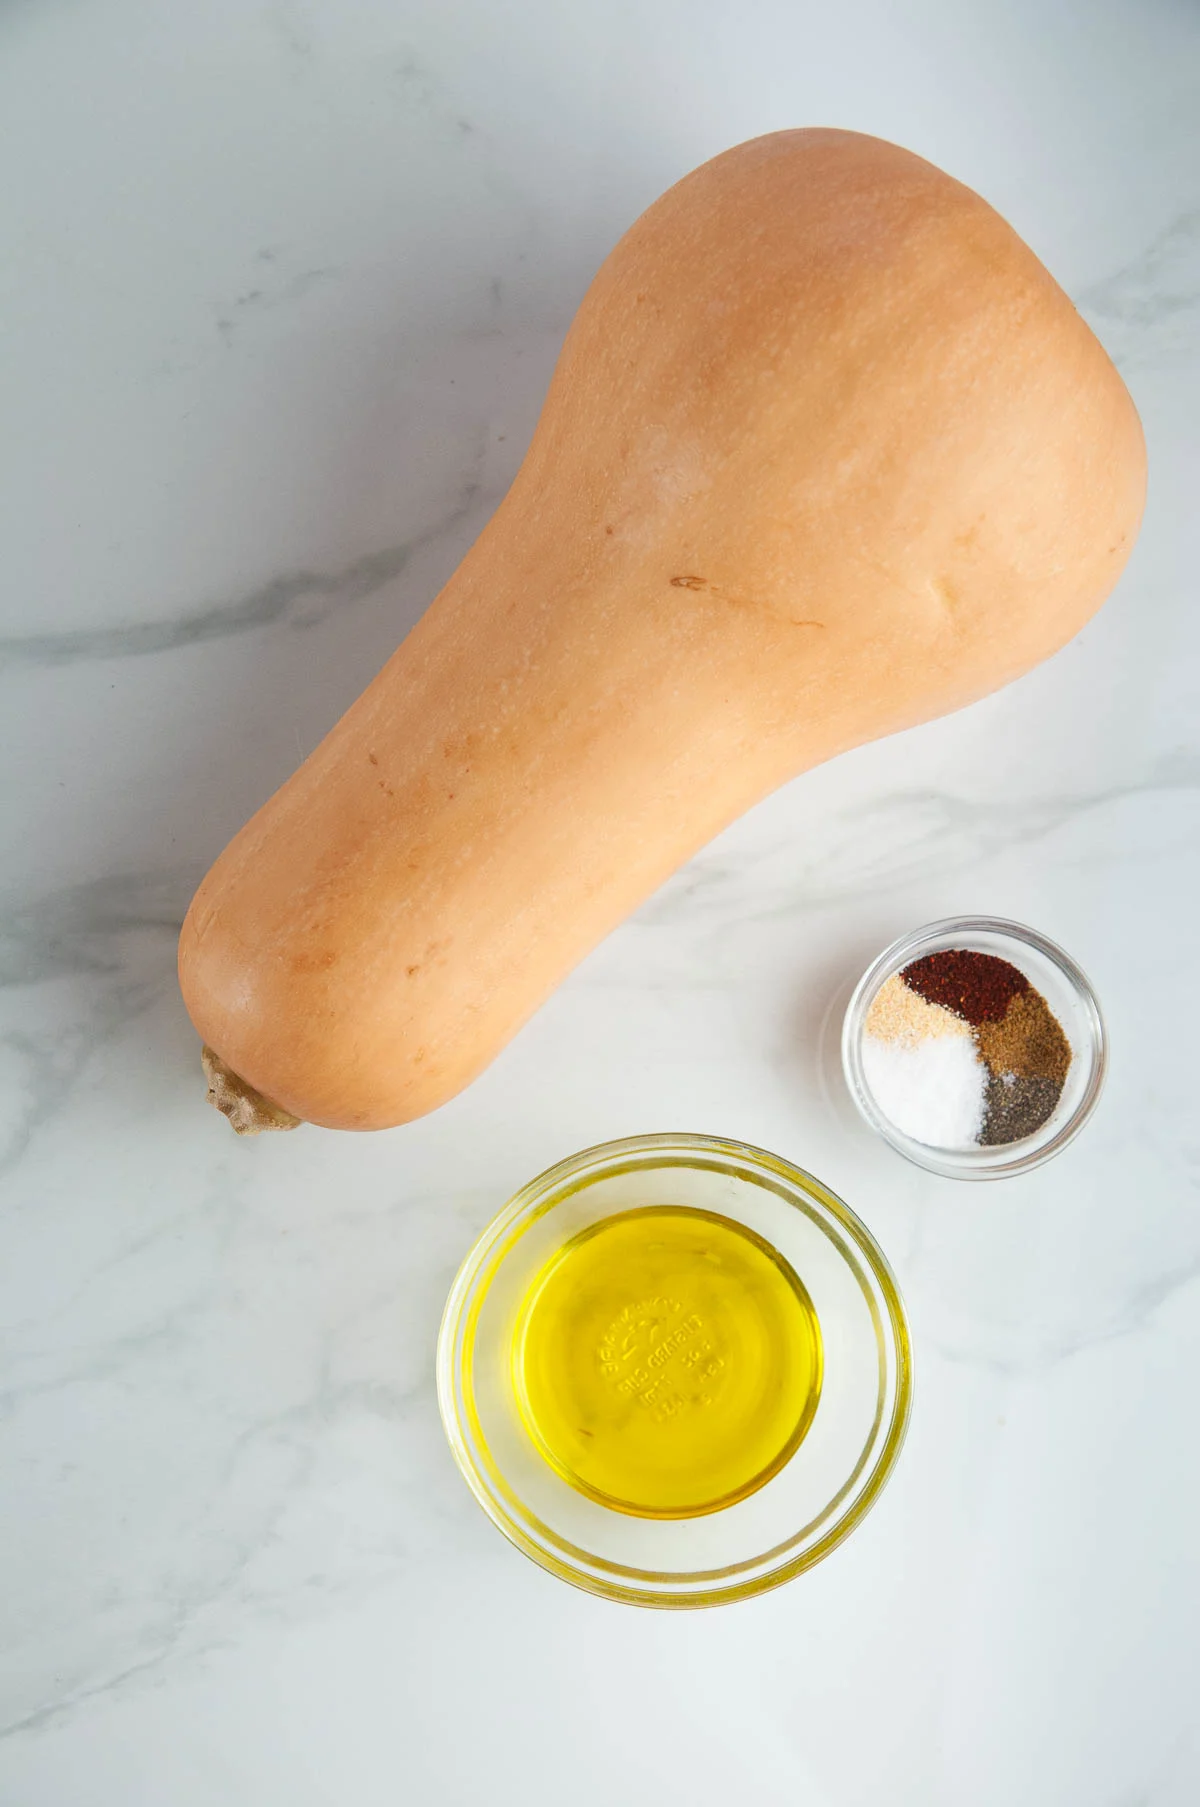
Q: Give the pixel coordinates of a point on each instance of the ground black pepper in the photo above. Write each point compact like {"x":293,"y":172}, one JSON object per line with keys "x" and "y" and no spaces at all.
{"x":1016,"y":1106}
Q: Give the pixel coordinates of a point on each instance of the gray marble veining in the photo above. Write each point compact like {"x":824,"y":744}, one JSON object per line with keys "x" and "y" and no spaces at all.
{"x":299,"y":600}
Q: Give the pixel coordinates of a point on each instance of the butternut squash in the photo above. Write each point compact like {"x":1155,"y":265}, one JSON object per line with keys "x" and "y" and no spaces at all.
{"x":827,"y":453}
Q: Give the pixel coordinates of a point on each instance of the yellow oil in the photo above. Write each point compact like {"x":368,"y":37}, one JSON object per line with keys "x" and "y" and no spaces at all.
{"x":667,"y":1362}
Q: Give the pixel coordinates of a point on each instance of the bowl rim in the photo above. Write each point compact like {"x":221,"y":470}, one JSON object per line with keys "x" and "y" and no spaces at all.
{"x":468,"y":1444}
{"x":973,"y":1164}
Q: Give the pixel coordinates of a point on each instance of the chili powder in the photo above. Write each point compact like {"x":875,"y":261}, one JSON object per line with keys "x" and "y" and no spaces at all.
{"x":977,"y":987}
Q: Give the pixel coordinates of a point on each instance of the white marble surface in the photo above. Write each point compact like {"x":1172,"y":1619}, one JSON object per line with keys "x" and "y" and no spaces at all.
{"x":282,"y":284}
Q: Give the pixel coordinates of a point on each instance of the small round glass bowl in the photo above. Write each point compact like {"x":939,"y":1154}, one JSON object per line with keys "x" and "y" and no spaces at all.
{"x":808,"y":1505}
{"x":1066,"y":990}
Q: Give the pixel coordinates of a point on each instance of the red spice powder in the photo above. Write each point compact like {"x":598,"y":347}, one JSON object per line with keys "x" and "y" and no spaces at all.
{"x":979,"y":987}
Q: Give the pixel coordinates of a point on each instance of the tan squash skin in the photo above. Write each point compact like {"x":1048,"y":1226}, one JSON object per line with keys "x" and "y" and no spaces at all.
{"x":827,"y":453}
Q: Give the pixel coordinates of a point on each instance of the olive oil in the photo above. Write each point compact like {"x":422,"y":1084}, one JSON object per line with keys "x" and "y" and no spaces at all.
{"x":667,"y":1362}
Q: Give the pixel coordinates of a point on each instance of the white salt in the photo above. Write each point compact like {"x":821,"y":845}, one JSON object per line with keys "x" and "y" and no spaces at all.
{"x":933,"y":1090}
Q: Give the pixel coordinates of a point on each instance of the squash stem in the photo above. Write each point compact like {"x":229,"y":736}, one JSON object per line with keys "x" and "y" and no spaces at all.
{"x":247,"y":1109}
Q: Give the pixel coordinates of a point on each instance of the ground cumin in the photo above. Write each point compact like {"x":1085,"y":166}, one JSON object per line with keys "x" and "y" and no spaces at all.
{"x":1028,"y":1040}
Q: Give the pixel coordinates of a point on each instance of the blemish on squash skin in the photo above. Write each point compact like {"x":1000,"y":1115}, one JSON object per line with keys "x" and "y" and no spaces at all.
{"x":462,"y":747}
{"x":313,"y":963}
{"x":945,"y":593}
{"x":690,"y":582}
{"x":373,"y":758}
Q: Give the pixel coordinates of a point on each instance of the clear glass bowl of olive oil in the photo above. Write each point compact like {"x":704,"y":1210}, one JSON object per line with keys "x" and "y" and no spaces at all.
{"x":675,"y":1370}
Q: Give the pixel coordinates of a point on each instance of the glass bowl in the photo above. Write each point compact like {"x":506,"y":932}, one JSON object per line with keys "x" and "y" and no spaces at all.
{"x":808,"y":1505}
{"x":1066,"y":990}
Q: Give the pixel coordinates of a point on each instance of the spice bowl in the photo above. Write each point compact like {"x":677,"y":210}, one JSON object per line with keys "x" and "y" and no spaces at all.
{"x":666,"y":1356}
{"x":964,"y":1001}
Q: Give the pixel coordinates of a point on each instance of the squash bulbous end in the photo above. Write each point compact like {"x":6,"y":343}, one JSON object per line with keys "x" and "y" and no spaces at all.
{"x":248,"y":1111}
